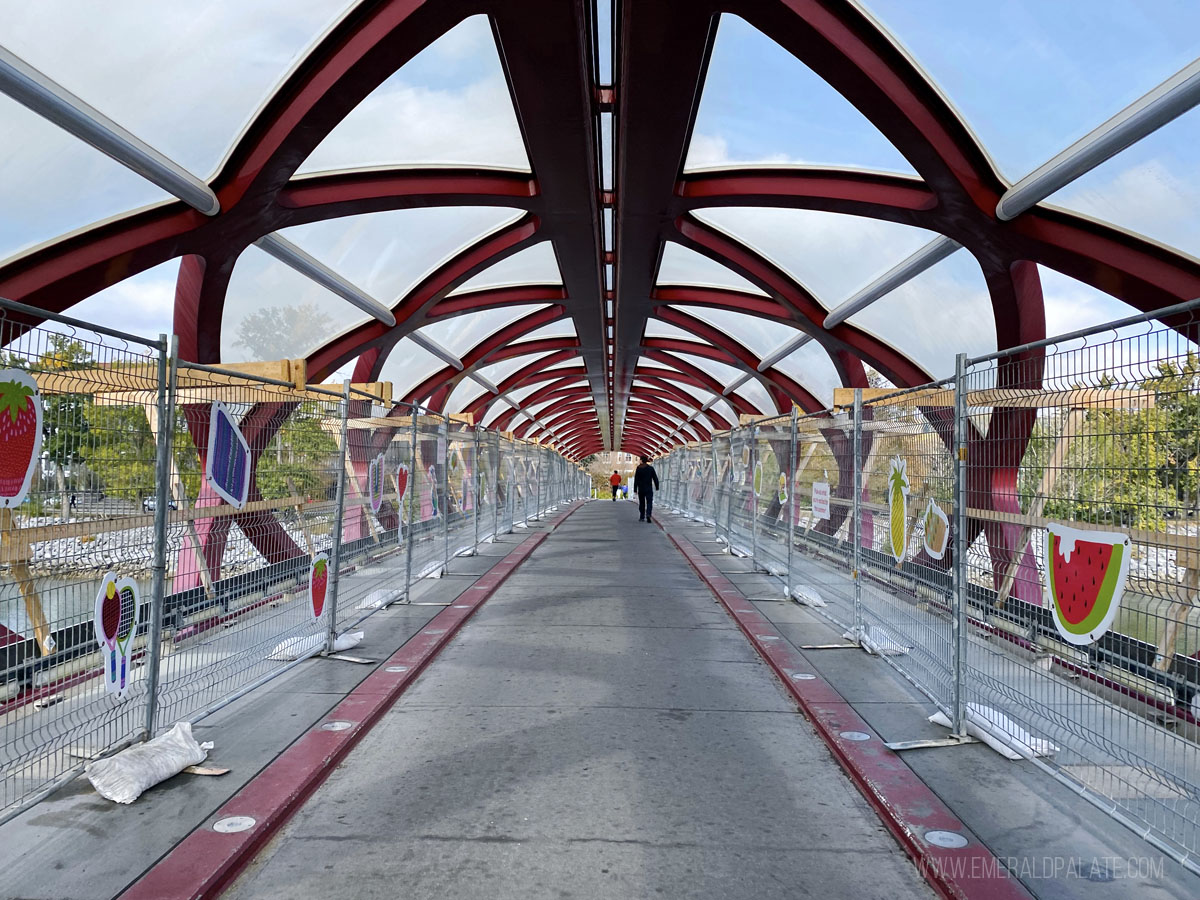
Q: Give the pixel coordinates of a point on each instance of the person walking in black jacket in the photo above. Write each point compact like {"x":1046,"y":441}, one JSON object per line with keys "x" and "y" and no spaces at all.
{"x":645,"y":483}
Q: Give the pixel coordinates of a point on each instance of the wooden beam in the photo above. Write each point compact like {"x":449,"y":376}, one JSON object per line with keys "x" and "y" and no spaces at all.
{"x":1069,"y":398}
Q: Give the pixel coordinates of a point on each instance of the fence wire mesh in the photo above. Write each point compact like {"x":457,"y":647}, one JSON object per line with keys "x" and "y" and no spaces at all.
{"x":1026,"y":544}
{"x":171,"y":536}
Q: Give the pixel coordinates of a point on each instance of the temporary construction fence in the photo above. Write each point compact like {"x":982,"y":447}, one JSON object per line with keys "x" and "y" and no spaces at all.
{"x":173,"y":535}
{"x":1021,"y":542}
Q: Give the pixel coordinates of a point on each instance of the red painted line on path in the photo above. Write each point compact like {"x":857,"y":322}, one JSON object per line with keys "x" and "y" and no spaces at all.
{"x":907,"y":806}
{"x":204,"y":863}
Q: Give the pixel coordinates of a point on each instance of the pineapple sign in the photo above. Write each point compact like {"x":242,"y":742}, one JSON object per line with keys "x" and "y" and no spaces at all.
{"x":898,"y":507}
{"x":20,"y":434}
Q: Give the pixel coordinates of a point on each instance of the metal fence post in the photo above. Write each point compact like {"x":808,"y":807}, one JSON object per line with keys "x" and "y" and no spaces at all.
{"x":475,"y":479}
{"x":411,"y":494}
{"x":791,"y":505}
{"x":716,"y":503}
{"x":495,"y":483}
{"x":167,"y":359}
{"x":541,"y":465}
{"x":753,"y":497}
{"x":959,"y":575}
{"x":444,"y":486}
{"x":856,"y":523}
{"x":335,"y":553}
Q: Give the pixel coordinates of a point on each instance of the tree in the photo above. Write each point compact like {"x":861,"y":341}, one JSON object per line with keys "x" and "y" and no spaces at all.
{"x":303,"y":453}
{"x":276,"y":332}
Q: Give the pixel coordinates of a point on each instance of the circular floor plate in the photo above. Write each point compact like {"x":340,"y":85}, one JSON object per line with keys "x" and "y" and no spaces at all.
{"x":396,"y":669}
{"x":803,"y":676}
{"x":855,"y":735}
{"x":952,"y":840}
{"x":234,"y":824}
{"x":337,"y":725}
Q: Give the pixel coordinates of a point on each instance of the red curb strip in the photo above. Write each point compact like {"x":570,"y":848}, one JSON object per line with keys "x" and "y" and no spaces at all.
{"x":204,"y":863}
{"x":907,"y":806}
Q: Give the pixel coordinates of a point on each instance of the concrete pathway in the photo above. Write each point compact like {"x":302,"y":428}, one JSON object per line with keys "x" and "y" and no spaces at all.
{"x":599,"y":729}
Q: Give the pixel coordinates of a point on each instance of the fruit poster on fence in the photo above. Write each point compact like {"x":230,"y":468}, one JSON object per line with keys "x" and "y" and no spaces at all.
{"x":820,"y":500}
{"x":318,"y":584}
{"x":937,"y":531}
{"x":1085,"y":580}
{"x":20,"y":434}
{"x":783,"y":494}
{"x":401,"y":485}
{"x":115,"y":624}
{"x":758,"y":479}
{"x":227,"y":463}
{"x":375,"y":483}
{"x":898,"y":488}
{"x":433,"y":493}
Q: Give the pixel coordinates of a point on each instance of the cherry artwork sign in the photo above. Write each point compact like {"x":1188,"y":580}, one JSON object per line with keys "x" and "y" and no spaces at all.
{"x":20,"y":434}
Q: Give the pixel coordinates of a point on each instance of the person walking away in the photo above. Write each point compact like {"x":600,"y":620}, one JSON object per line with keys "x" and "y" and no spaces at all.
{"x":615,"y":480}
{"x":645,"y":483}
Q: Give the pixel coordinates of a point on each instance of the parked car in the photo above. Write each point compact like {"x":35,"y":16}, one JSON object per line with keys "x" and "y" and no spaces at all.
{"x":149,"y":504}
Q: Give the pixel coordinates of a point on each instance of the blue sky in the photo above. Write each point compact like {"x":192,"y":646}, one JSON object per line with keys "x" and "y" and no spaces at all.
{"x":1029,"y":77}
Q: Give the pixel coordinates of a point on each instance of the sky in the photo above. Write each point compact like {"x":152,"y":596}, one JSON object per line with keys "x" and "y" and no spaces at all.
{"x":1028,"y":83}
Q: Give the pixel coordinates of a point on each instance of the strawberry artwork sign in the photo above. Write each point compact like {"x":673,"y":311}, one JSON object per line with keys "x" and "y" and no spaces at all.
{"x":1085,"y":580}
{"x":20,"y":434}
{"x":318,"y":584}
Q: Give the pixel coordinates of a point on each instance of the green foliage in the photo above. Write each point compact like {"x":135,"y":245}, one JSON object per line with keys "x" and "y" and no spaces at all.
{"x":302,"y":452}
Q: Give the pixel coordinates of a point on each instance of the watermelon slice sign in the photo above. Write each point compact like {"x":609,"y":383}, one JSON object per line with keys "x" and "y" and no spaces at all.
{"x":401,"y":484}
{"x":20,"y":434}
{"x":1085,"y":579}
{"x":318,"y":583}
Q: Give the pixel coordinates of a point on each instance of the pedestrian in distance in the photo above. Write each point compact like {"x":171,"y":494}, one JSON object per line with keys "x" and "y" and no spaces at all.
{"x":615,"y":480}
{"x":645,"y":483}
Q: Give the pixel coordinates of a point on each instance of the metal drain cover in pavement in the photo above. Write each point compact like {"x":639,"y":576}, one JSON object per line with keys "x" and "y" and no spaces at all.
{"x":951,"y":840}
{"x":337,"y":725}
{"x":803,"y":676}
{"x":234,"y":824}
{"x":396,"y":669}
{"x":855,"y":735}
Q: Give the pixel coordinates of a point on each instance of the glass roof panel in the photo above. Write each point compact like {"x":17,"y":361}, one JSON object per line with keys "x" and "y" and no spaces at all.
{"x":497,"y":372}
{"x":533,"y":265}
{"x":561,"y":328}
{"x":459,"y":334}
{"x":762,"y":105}
{"x":448,"y":105}
{"x":1072,"y":305}
{"x":212,"y":66}
{"x":1039,"y":77}
{"x":682,"y":265}
{"x":274,"y":312}
{"x":724,"y":374}
{"x":54,"y":183}
{"x":831,"y":254}
{"x":407,"y":366}
{"x":943,"y":311}
{"x":657,"y":328}
{"x":811,"y":366}
{"x":386,"y":253}
{"x":1151,"y":188}
{"x":699,"y":395}
{"x":760,"y":336}
{"x":464,"y":394}
{"x":753,"y":391}
{"x":142,"y":304}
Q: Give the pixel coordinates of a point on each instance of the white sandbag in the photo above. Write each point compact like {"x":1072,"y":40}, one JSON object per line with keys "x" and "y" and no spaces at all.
{"x":806,"y":595}
{"x":307,"y":645}
{"x":123,"y":777}
{"x":380,"y":598}
{"x":1000,"y":733}
{"x":877,"y":641}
